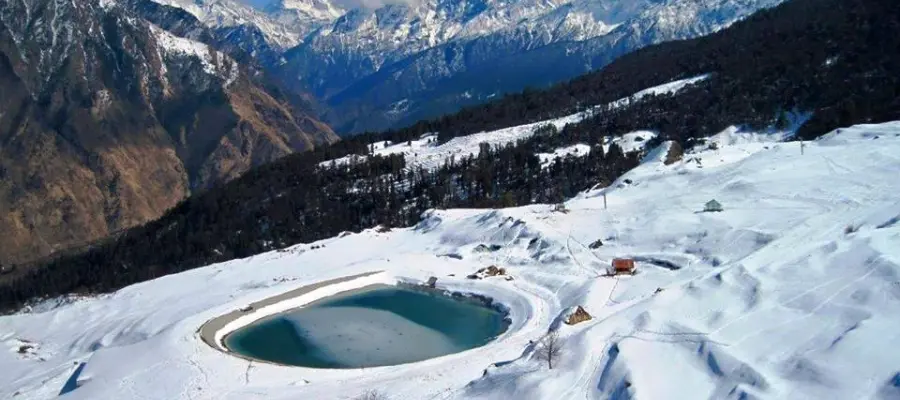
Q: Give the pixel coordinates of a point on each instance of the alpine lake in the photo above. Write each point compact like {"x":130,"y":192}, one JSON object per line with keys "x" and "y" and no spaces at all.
{"x":379,"y":325}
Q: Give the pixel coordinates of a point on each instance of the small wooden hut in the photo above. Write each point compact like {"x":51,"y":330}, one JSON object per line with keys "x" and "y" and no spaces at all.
{"x":712,"y":206}
{"x":623,"y":266}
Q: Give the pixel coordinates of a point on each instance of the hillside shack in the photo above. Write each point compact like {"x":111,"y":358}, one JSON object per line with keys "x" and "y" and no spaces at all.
{"x":712,"y":206}
{"x":623,"y":266}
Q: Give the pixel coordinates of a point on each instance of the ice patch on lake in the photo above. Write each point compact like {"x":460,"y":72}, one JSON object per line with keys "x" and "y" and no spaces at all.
{"x":365,"y":337}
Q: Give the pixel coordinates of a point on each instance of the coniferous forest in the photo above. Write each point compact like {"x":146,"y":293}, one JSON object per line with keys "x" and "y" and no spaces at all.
{"x":836,"y":61}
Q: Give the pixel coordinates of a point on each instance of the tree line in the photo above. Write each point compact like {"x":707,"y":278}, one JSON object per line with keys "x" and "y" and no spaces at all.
{"x":289,"y":202}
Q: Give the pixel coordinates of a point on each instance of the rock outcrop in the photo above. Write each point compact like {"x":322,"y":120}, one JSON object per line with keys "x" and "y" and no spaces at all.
{"x":493,"y":270}
{"x":579,"y":316}
{"x":675,"y":154}
{"x":482,"y":248}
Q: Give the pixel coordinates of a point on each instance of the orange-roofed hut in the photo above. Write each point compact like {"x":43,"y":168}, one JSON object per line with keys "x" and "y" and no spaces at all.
{"x":623,"y":266}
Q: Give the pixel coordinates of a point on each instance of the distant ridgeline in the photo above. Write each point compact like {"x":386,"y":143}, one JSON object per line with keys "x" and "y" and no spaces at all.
{"x":835,"y":59}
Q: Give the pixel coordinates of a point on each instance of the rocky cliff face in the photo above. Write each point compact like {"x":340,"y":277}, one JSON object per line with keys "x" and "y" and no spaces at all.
{"x":106,"y":121}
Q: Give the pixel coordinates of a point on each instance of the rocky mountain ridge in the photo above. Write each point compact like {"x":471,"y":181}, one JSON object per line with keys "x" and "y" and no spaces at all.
{"x":108,"y":121}
{"x":441,"y":79}
{"x":386,"y":65}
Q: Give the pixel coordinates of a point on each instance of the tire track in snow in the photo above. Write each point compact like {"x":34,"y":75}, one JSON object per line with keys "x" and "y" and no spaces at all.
{"x":194,"y":384}
{"x":833,"y":166}
{"x":583,"y":382}
{"x":814,"y":310}
{"x":591,"y":252}
{"x":705,"y":337}
{"x":791,"y":300}
{"x":568,"y":236}
{"x":572,"y":255}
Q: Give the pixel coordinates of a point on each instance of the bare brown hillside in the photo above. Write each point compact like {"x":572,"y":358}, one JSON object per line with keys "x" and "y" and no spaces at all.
{"x":106,"y":122}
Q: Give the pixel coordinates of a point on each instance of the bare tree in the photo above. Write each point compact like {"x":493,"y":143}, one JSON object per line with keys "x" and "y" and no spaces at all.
{"x":372,"y":395}
{"x":549,"y":348}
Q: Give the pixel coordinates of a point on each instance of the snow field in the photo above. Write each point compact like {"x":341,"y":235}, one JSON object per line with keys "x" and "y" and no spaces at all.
{"x":792,"y":292}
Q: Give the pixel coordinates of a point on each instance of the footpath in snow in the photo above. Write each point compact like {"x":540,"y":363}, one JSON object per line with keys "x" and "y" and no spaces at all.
{"x":792,"y":292}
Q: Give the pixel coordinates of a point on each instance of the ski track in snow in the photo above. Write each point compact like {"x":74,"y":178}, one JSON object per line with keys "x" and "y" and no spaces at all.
{"x":771,"y":298}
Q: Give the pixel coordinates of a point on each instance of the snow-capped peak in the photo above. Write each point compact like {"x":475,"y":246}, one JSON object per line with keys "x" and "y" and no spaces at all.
{"x":231,"y":13}
{"x":214,"y":63}
{"x":315,"y":9}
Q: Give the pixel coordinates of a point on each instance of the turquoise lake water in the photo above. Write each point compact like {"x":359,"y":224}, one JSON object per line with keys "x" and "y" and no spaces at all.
{"x":374,"y":327}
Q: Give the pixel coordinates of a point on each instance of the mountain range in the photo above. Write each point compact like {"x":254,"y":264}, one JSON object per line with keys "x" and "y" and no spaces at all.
{"x":743,"y":176}
{"x":388,"y":65}
{"x":535,"y":147}
{"x":115,"y":110}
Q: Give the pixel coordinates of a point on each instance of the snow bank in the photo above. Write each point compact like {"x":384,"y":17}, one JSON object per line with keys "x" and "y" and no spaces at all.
{"x":299,"y":301}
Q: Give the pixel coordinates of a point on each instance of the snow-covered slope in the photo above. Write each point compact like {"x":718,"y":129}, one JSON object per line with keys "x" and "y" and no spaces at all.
{"x":394,"y":31}
{"x":214,"y":63}
{"x":427,"y":153}
{"x":666,"y":88}
{"x":791,"y":292}
{"x":231,"y":13}
{"x":575,"y":150}
{"x":303,"y":16}
{"x":310,"y":10}
{"x":435,"y":56}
